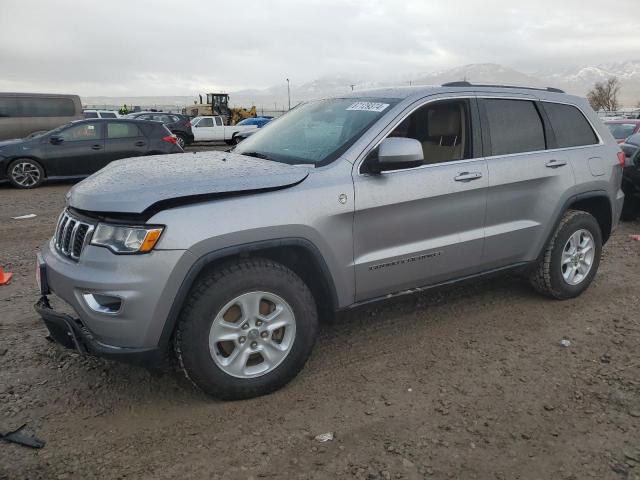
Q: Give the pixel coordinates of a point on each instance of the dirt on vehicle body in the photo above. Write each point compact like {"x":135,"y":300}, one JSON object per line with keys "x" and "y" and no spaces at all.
{"x":470,"y":382}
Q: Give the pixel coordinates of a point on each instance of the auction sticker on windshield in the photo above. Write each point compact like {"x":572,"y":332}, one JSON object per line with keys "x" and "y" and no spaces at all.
{"x":368,"y":106}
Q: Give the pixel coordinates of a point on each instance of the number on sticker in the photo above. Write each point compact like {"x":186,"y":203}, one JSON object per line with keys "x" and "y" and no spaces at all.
{"x":368,"y":106}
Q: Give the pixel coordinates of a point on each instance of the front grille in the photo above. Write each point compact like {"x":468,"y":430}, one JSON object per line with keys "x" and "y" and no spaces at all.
{"x":72,"y":235}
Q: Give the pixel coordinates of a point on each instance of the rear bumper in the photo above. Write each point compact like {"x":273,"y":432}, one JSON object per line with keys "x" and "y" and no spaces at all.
{"x":71,"y":333}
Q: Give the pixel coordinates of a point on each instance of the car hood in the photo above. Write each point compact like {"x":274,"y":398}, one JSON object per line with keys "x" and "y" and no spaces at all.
{"x":149,"y":184}
{"x":6,"y":145}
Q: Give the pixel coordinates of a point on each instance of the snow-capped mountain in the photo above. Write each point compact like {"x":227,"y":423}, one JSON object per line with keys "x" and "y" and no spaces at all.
{"x":576,"y":80}
{"x":483,"y":73}
{"x":579,"y":80}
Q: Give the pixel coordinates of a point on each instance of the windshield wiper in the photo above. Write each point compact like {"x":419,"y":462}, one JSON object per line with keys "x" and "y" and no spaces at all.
{"x":258,"y":155}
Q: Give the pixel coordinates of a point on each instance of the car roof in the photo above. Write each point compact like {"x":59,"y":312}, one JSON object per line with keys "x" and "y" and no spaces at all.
{"x":417,"y":92}
{"x":624,"y":120}
{"x":111,"y":120}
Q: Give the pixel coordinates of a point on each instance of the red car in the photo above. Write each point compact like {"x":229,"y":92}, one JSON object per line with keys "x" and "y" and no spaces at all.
{"x":623,"y":129}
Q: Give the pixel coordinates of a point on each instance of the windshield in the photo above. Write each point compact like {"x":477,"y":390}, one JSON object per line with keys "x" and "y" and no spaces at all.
{"x":620,"y":131}
{"x":317,"y":132}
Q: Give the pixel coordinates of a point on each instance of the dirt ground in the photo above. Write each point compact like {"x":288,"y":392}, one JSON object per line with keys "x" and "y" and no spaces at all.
{"x":466,"y":383}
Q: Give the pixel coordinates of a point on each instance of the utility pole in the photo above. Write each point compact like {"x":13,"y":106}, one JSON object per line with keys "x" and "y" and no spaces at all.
{"x":353,"y":85}
{"x":288,"y":94}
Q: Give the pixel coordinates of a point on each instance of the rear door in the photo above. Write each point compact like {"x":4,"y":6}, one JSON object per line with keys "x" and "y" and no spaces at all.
{"x":124,"y":140}
{"x":528,"y":178}
{"x":423,"y":225}
{"x":81,"y":147}
{"x":204,"y":130}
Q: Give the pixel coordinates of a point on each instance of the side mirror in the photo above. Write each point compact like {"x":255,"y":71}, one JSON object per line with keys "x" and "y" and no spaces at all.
{"x":56,"y":140}
{"x":396,"y":154}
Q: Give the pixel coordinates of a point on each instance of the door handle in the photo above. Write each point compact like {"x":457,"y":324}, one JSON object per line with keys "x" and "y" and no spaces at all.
{"x":96,"y":147}
{"x":555,"y":163}
{"x":140,"y":144}
{"x":467,"y":176}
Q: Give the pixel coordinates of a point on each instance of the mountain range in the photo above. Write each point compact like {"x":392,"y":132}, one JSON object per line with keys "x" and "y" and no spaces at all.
{"x":575,"y":80}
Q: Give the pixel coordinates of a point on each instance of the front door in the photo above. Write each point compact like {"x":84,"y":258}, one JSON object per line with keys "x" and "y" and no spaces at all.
{"x":77,"y":149}
{"x":423,"y":225}
{"x":204,"y":130}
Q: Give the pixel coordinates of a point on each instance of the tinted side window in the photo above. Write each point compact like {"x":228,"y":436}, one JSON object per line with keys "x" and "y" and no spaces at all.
{"x":108,"y":115}
{"x":205,"y":122}
{"x":90,"y":114}
{"x":45,"y":107}
{"x":122,"y":130}
{"x":514,"y":126}
{"x":218,"y":121}
{"x":8,"y":107}
{"x":80,"y":132}
{"x":569,"y":125}
{"x":443,"y":129}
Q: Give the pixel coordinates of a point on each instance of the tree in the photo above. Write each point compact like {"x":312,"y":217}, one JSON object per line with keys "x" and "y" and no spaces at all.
{"x":604,"y":95}
{"x":124,"y":110}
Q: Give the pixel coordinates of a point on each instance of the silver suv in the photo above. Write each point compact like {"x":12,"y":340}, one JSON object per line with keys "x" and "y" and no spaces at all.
{"x":231,"y":258}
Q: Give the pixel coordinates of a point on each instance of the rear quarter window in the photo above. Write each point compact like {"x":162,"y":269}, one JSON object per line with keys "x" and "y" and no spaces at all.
{"x":515,"y":126}
{"x":570,"y":126}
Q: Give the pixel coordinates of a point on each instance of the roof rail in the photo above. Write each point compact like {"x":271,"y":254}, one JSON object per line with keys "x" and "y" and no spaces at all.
{"x":469,"y":84}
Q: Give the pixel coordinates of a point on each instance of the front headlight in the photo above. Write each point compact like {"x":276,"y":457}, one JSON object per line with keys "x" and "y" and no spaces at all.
{"x":125,"y":239}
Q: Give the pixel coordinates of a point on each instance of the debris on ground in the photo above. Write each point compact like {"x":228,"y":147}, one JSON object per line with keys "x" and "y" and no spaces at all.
{"x":5,"y":277}
{"x":565,"y":343}
{"x":25,"y":217}
{"x":324,"y":437}
{"x":21,"y":438}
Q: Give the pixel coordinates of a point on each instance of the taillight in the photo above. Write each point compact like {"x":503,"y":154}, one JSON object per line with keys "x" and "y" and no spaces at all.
{"x":621,"y":159}
{"x":170,"y":138}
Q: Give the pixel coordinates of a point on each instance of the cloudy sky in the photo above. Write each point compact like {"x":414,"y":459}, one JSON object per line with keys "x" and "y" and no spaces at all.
{"x":158,"y":47}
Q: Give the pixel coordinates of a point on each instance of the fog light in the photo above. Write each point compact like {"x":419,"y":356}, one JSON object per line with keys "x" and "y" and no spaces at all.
{"x":103,"y":303}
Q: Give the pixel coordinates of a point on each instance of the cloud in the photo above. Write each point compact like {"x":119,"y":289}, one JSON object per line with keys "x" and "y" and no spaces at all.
{"x":161,"y":47}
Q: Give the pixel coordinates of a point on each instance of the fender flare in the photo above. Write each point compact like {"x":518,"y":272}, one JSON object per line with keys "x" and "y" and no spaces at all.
{"x":566,"y":206}
{"x":202,"y":262}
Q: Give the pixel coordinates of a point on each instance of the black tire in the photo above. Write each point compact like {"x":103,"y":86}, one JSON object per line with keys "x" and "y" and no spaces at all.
{"x":211,"y":292}
{"x":547,"y":278}
{"x":34,"y":178}
{"x":231,"y":142}
{"x":630,"y":208}
{"x":181,"y":140}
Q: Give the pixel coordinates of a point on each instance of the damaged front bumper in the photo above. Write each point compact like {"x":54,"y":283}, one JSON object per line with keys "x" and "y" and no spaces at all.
{"x":71,"y":333}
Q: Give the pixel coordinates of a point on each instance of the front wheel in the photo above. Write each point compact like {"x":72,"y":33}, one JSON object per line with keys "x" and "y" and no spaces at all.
{"x":25,"y":173}
{"x":246,"y":329}
{"x":571,"y":258}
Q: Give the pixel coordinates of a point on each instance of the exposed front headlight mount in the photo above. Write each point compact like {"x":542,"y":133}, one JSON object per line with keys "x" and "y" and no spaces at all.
{"x":126,"y":239}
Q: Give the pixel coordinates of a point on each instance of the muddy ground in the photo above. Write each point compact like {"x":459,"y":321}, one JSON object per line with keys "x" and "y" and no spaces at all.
{"x":470,"y":382}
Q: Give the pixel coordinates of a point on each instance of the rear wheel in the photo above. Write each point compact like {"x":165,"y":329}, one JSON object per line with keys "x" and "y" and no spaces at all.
{"x":181,"y":140}
{"x":246,"y":329}
{"x":571,"y":258}
{"x":25,"y":173}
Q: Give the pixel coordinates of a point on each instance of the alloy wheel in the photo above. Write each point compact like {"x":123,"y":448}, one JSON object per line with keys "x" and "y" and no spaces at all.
{"x":577,"y":257}
{"x":25,"y":174}
{"x":252,"y":334}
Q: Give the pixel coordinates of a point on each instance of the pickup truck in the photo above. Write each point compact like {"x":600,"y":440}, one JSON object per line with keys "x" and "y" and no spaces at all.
{"x":212,"y":129}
